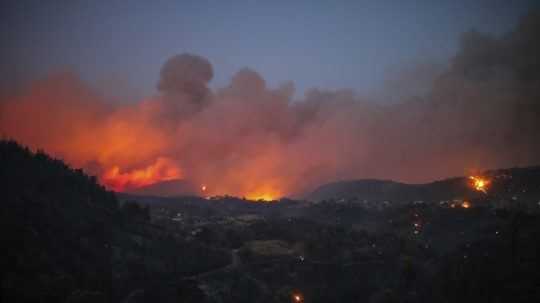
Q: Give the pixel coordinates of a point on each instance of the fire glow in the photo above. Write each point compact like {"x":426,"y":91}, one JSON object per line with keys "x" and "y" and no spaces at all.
{"x":264,"y":197}
{"x":163,"y":169}
{"x":479,"y":183}
{"x":264,"y":194}
{"x":245,"y":139}
{"x":297,"y":297}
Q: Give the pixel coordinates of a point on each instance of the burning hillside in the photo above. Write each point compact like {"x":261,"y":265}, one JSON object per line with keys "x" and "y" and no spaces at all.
{"x":248,"y":139}
{"x":480,"y":183}
{"x":162,"y":170}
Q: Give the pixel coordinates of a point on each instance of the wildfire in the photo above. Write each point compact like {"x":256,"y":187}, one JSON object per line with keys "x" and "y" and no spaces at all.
{"x":466,"y":204}
{"x":163,"y":169}
{"x":263,"y":196}
{"x":265,"y":192}
{"x":297,"y":298}
{"x":479,"y":183}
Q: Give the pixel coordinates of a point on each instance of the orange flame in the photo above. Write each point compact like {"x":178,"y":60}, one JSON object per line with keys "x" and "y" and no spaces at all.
{"x":297,"y":298}
{"x":264,"y":194}
{"x":265,"y":197}
{"x":163,"y":169}
{"x":480,"y":183}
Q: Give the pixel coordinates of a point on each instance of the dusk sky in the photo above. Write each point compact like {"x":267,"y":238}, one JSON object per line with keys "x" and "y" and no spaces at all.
{"x":272,"y":98}
{"x":119,"y":46}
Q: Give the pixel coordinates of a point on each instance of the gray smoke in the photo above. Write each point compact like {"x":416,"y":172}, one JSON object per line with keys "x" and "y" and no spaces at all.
{"x":480,"y":111}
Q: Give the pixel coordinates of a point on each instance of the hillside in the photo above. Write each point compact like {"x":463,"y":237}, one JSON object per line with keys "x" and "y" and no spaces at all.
{"x":503,"y":181}
{"x":57,"y":223}
{"x":166,"y":189}
{"x":69,"y":240}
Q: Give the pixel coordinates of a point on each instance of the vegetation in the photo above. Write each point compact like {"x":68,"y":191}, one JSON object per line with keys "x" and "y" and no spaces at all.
{"x":70,"y":240}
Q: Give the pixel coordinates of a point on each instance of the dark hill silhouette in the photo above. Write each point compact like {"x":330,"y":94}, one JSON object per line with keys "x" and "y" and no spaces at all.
{"x":525,"y":180}
{"x":382,"y":190}
{"x":56,"y":224}
{"x":68,"y":240}
{"x":169,"y":188}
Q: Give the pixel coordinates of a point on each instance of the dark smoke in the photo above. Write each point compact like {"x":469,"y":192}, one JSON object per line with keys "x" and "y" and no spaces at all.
{"x":186,"y":73}
{"x":184,"y":82}
{"x":482,"y":111}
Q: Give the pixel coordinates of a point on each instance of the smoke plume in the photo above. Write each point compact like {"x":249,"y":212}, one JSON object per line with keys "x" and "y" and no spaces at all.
{"x":251,"y":140}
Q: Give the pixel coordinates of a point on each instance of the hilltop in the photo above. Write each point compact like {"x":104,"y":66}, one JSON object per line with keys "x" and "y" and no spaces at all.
{"x":525,"y":181}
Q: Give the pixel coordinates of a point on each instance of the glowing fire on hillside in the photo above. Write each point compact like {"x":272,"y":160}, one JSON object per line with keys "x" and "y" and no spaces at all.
{"x":480,"y":183}
{"x":297,"y":297}
{"x":163,"y":169}
{"x":245,"y":139}
{"x":264,"y":197}
{"x":264,"y":194}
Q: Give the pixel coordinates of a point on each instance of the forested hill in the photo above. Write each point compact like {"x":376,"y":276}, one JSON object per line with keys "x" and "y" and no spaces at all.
{"x":28,"y":175}
{"x":522,"y":181}
{"x":67,"y":239}
{"x":56,"y":224}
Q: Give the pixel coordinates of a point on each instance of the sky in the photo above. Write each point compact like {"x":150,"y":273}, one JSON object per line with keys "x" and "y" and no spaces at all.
{"x":141,"y":93}
{"x":120,"y":46}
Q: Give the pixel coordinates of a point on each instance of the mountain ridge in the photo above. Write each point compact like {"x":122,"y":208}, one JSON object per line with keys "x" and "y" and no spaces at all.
{"x":389,"y":190}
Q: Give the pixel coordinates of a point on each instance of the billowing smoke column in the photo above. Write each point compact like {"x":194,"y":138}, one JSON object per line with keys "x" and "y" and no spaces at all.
{"x":250,"y":140}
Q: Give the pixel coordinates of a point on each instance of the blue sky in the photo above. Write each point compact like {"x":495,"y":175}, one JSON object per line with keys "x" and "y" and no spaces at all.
{"x":121,"y":45}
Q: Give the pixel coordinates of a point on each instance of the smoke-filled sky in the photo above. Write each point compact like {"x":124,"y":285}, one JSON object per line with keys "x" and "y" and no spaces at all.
{"x":265,"y":100}
{"x":119,"y":46}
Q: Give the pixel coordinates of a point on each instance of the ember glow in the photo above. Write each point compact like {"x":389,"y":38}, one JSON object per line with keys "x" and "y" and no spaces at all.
{"x":297,"y":298}
{"x":266,"y":197}
{"x":162,"y":170}
{"x":465,"y":204}
{"x":480,"y":183}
